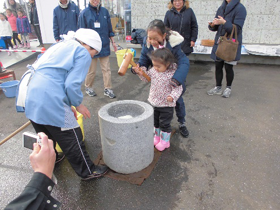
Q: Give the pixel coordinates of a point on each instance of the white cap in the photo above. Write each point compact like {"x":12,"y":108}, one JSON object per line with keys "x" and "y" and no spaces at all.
{"x":89,"y":37}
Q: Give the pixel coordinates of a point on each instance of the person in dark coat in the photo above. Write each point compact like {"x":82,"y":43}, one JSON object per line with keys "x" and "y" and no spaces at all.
{"x":34,"y":20}
{"x":98,"y":18}
{"x":13,"y":6}
{"x":159,"y":36}
{"x":230,"y":12}
{"x":181,"y":18}
{"x":65,"y":18}
{"x":37,"y":193}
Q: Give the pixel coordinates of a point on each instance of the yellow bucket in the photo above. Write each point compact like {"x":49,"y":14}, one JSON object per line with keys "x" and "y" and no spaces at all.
{"x":80,"y":122}
{"x":120,"y":54}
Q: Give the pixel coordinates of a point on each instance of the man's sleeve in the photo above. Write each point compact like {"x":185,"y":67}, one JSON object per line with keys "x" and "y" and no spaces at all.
{"x":82,"y":21}
{"x":36,"y":195}
{"x":76,"y":77}
{"x":55,"y":26}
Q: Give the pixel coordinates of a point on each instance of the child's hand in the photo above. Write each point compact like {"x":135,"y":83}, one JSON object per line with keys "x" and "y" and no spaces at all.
{"x":138,"y":70}
{"x":169,"y":99}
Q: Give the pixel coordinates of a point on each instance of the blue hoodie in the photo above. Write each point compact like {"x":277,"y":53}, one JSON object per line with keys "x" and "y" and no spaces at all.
{"x":87,"y":19}
{"x":65,"y":20}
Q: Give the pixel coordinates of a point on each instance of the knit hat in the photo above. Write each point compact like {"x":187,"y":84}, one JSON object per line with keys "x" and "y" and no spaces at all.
{"x":89,"y":37}
{"x":172,"y":1}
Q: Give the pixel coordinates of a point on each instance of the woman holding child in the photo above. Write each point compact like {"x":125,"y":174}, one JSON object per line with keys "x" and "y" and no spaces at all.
{"x":159,"y":36}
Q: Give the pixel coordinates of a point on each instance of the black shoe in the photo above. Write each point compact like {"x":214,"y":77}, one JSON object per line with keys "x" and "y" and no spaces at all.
{"x":59,"y":157}
{"x":183,"y":130}
{"x":99,"y":171}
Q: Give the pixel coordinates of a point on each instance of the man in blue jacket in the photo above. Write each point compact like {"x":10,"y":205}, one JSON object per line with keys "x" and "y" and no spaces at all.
{"x":65,"y":18}
{"x":97,"y":18}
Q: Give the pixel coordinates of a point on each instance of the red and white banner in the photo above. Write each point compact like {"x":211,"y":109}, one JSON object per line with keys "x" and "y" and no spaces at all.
{"x":41,"y":51}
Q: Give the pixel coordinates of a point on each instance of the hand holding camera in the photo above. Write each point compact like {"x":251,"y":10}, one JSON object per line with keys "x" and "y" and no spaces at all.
{"x":43,"y":157}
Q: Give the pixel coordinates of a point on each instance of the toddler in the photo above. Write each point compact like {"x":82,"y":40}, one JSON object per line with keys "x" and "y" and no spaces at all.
{"x":163,"y":95}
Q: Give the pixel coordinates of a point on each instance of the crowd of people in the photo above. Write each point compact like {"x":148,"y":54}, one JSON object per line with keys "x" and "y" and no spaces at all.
{"x":72,"y":61}
{"x":15,"y":21}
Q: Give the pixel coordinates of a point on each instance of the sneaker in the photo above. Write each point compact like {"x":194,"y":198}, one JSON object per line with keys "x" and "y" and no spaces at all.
{"x":183,"y":130}
{"x":59,"y":157}
{"x":215,"y":90}
{"x":99,"y":171}
{"x":109,"y":93}
{"x":226,"y":93}
{"x":90,"y":92}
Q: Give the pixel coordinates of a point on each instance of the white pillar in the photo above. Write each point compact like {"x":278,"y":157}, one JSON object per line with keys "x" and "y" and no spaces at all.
{"x":45,"y":14}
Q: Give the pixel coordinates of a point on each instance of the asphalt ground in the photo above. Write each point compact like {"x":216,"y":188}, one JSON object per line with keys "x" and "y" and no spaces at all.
{"x":230,"y":160}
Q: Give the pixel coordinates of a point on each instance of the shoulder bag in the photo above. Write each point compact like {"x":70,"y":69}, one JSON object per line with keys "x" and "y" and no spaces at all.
{"x":227,"y":46}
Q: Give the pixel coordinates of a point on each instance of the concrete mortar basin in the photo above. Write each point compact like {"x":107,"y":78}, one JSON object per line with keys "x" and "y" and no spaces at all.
{"x":126,"y":129}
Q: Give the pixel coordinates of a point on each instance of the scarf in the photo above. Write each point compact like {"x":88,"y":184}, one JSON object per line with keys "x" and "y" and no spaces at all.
{"x":64,"y":6}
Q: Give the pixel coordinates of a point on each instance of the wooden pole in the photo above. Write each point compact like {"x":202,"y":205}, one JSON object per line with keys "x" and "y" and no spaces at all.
{"x":15,"y":132}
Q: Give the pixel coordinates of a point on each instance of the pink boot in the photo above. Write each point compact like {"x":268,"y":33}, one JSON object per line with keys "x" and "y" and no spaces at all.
{"x":28,"y":45}
{"x":156,"y":136}
{"x":24,"y":45}
{"x":164,"y":141}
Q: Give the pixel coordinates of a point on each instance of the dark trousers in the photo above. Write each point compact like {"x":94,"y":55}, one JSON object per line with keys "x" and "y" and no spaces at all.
{"x":219,"y":73}
{"x":163,"y":117}
{"x":15,"y":37}
{"x":38,"y":33}
{"x":72,"y":145}
{"x":180,"y":107}
{"x":8,"y":42}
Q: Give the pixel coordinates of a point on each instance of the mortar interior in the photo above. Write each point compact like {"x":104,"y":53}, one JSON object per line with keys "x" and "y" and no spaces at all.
{"x":120,"y":110}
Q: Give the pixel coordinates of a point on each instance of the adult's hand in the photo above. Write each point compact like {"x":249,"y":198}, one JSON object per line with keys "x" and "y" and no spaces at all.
{"x":192,"y":43}
{"x":75,"y":112}
{"x":115,"y":46}
{"x":43,"y":157}
{"x":219,"y":21}
{"x":83,"y":110}
{"x":211,"y":24}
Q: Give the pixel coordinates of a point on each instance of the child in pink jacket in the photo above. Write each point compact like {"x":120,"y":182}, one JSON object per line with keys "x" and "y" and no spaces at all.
{"x":163,"y":95}
{"x":13,"y":22}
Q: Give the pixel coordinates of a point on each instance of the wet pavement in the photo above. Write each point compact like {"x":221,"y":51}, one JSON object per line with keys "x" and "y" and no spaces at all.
{"x":230,"y":160}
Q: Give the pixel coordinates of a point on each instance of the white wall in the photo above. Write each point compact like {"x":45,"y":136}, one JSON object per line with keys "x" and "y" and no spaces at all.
{"x":262,"y":25}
